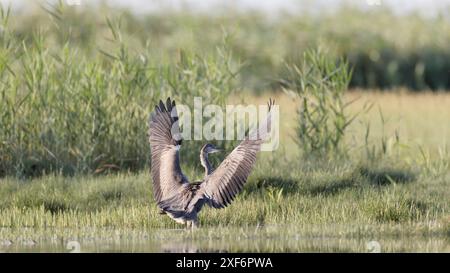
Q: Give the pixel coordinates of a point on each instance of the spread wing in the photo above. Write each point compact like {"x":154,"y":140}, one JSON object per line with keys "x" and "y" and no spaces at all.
{"x":222,"y":186}
{"x":165,"y":141}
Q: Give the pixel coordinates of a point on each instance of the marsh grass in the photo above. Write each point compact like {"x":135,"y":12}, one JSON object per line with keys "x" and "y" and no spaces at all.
{"x":67,"y":112}
{"x":340,"y":195}
{"x":286,"y":201}
{"x":319,"y":83}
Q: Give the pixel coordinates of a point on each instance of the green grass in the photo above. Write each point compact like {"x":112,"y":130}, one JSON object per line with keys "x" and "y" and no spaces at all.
{"x":284,"y":187}
{"x":66,"y":111}
{"x":394,"y":198}
{"x":282,"y":194}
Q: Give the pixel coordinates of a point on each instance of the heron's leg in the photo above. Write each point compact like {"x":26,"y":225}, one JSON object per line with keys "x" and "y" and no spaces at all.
{"x":188,"y":224}
{"x":194,"y":222}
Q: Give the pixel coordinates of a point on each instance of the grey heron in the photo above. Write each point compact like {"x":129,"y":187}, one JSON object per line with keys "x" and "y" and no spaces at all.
{"x":174,"y":194}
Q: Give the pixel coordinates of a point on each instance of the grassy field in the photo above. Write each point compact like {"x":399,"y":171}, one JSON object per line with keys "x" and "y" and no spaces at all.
{"x":405,"y":192}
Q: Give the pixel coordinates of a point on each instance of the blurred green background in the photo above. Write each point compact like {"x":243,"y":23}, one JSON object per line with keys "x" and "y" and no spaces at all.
{"x":386,"y":48}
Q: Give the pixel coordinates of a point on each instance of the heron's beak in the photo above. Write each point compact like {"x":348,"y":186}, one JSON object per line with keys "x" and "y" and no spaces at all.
{"x":215,"y":150}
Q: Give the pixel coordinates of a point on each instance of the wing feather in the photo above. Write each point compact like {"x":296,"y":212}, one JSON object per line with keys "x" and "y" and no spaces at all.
{"x":222,"y":186}
{"x":164,"y":139}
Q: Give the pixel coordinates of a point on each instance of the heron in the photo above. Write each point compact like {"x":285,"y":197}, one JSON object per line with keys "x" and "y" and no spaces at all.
{"x":175,"y":195}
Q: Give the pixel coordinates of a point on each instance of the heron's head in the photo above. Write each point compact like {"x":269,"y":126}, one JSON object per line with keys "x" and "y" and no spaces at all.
{"x":210,"y":149}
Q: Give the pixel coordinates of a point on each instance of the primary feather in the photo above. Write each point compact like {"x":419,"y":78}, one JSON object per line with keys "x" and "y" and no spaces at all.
{"x":168,"y":178}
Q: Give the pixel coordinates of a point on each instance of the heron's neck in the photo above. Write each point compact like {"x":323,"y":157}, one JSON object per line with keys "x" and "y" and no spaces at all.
{"x":205,"y":163}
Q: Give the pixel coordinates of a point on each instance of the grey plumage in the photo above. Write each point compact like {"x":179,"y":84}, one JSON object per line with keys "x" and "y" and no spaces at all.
{"x":173,"y":192}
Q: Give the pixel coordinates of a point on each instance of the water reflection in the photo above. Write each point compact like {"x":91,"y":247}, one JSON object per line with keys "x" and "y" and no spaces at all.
{"x":182,"y":241}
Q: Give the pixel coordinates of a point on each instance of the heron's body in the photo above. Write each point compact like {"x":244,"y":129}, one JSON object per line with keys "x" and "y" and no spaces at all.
{"x":191,"y":205}
{"x":174,"y":194}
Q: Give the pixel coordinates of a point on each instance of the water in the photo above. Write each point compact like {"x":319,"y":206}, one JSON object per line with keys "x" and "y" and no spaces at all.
{"x":212,"y":240}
